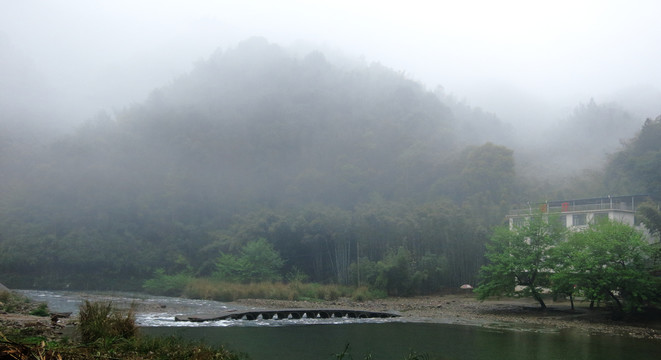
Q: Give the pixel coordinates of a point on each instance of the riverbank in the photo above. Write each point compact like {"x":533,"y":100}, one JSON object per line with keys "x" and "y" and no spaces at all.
{"x":512,"y":314}
{"x":103,"y":332}
{"x":20,"y":320}
{"x":462,"y":309}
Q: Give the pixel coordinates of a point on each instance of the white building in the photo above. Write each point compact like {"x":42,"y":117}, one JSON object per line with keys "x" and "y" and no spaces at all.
{"x":580,"y":213}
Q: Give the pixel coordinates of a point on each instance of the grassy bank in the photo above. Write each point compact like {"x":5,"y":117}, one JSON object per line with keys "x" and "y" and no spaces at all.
{"x":24,"y":348}
{"x":11,"y":302}
{"x":103,"y":332}
{"x":211,"y":289}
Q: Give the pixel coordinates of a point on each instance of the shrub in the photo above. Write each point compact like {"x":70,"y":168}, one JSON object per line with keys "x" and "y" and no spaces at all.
{"x":258,"y":261}
{"x":295,"y":275}
{"x":328,"y":292}
{"x":169,"y":285}
{"x":100,"y":321}
{"x":12,"y":302}
{"x":363,"y":293}
{"x":41,"y":310}
{"x":5,"y":296}
{"x":211,"y":289}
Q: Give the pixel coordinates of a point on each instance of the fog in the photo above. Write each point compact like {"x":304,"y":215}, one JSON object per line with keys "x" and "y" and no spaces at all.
{"x":507,"y":57}
{"x":140,"y":140}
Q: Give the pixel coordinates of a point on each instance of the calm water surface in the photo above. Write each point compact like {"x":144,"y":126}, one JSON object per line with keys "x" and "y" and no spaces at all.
{"x":395,"y":340}
{"x":382,"y":339}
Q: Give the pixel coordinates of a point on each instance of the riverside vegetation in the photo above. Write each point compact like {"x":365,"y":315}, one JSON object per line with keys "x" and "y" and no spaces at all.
{"x":102,"y":332}
{"x":609,"y":262}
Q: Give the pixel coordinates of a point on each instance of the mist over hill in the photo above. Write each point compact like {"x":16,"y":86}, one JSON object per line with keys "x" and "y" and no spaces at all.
{"x":329,"y":161}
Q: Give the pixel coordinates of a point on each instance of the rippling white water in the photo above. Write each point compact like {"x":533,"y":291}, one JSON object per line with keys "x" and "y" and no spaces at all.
{"x":160,"y":311}
{"x":164,"y":320}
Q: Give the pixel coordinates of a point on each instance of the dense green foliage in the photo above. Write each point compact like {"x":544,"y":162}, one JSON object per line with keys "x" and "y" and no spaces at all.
{"x":637,"y":168}
{"x":650,"y":215}
{"x":258,"y":261}
{"x":168,"y":285}
{"x":609,"y":262}
{"x":41,"y":310}
{"x":519,"y":259}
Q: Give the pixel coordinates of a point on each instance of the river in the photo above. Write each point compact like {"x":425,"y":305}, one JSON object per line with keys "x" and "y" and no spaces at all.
{"x":378,"y":338}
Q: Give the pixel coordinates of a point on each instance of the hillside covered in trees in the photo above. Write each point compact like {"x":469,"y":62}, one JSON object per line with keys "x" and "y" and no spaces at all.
{"x":353,"y":174}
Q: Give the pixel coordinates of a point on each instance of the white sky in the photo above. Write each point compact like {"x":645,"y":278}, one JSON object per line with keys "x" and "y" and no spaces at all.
{"x":551,"y":51}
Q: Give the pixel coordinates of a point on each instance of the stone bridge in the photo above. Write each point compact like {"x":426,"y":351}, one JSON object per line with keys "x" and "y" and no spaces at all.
{"x":279,"y":314}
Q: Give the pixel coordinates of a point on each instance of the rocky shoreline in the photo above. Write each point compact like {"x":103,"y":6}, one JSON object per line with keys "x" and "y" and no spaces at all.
{"x":462,"y":309}
{"x":513,"y":314}
{"x":50,"y":327}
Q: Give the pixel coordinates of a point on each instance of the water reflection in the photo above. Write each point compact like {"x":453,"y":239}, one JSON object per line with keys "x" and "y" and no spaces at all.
{"x":395,"y":340}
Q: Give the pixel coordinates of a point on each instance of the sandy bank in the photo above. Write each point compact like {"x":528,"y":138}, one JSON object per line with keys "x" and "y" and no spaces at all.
{"x":516,"y":314}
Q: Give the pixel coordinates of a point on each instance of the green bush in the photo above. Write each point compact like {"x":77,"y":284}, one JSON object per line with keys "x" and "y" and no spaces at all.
{"x":100,"y":321}
{"x":258,"y":261}
{"x":296,"y":275}
{"x":41,"y":310}
{"x":5,"y":296}
{"x":396,"y":273}
{"x":168,"y":285}
{"x":13,"y":302}
{"x":364,"y":293}
{"x":328,"y":292}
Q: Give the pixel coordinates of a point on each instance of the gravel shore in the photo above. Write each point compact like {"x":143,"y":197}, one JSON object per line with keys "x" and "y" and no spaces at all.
{"x":464,"y":309}
{"x":514,"y":314}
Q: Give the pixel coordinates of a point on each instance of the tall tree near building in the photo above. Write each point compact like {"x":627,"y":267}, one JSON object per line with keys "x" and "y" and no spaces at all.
{"x":609,"y":261}
{"x":518,"y":259}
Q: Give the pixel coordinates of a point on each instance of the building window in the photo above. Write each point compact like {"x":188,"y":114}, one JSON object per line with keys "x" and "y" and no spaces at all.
{"x":579,"y":220}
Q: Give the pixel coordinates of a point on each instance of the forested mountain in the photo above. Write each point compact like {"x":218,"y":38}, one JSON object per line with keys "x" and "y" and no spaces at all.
{"x":637,"y":168}
{"x":326,"y":163}
{"x":337,"y":167}
{"x":591,"y":131}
